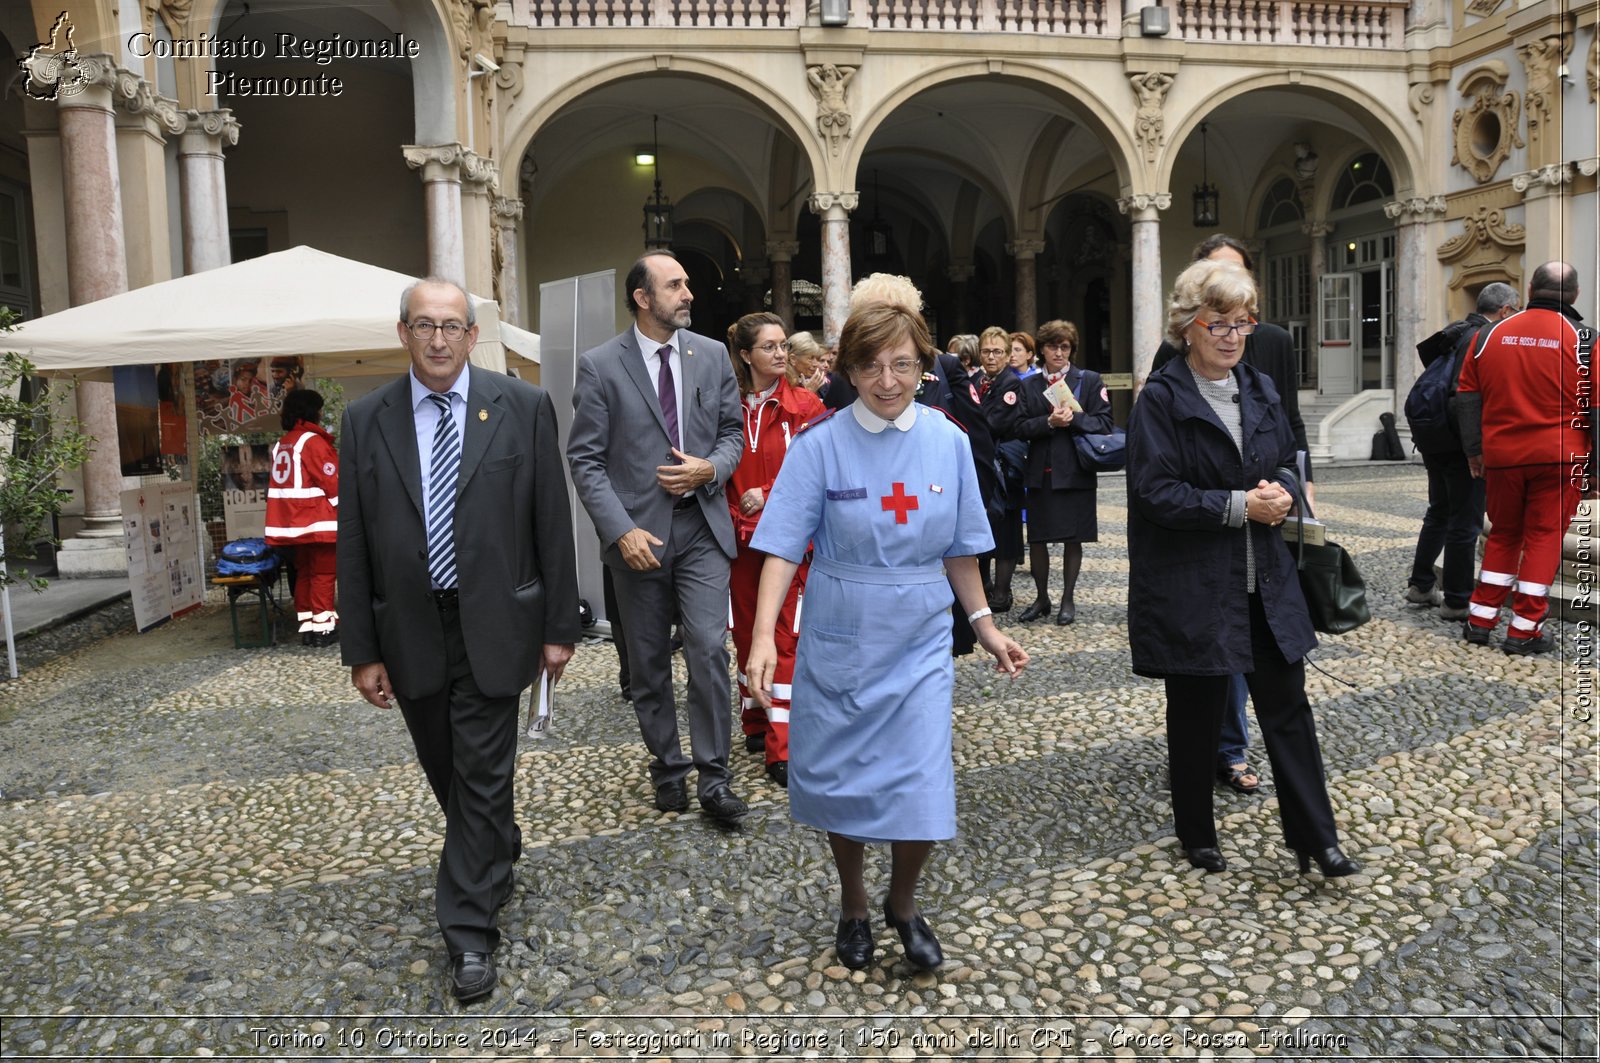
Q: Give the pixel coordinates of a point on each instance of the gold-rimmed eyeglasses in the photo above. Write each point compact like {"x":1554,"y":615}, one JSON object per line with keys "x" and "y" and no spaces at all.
{"x":424,"y":329}
{"x":772,"y":347}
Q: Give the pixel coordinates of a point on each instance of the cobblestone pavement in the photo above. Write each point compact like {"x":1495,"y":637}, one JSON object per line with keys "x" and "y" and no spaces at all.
{"x":213,"y":852}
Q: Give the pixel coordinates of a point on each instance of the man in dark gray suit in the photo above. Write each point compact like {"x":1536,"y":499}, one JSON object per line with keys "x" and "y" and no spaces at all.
{"x":656,"y":433}
{"x":457,"y":585}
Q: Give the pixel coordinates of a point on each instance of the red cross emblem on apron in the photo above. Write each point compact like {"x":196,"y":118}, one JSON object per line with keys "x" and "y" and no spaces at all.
{"x":900,"y":502}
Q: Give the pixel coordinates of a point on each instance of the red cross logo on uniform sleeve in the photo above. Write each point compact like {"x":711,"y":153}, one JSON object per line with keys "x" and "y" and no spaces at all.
{"x":900,"y":502}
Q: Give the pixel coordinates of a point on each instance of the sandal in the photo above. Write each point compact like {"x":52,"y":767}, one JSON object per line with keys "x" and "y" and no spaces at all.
{"x":1233,"y":777}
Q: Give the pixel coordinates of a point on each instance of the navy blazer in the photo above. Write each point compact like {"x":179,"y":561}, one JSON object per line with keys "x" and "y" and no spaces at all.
{"x":1188,"y":611}
{"x":1052,"y":454}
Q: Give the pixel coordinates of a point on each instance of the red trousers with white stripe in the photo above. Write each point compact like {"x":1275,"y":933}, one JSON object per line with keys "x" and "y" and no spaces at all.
{"x":743,"y":581}
{"x":1529,"y":507}
{"x":314,"y":601}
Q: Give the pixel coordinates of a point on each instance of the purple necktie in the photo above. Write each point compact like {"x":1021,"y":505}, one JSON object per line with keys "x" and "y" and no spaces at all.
{"x":667,"y":393}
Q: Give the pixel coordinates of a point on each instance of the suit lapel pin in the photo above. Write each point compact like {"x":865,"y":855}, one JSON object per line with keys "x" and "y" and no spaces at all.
{"x":483,"y":415}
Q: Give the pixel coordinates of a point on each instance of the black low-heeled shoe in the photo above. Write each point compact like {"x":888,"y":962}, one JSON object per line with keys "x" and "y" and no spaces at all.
{"x":1208,"y":859}
{"x":916,"y":938}
{"x":1331,"y":861}
{"x":1067,"y":614}
{"x":853,"y":942}
{"x":1040,"y":607}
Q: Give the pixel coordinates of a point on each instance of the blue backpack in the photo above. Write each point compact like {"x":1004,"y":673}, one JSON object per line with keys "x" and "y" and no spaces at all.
{"x":1428,"y":405}
{"x":247,"y":557}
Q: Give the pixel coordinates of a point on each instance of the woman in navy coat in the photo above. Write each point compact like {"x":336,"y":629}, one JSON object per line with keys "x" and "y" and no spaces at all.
{"x":1212,"y":589}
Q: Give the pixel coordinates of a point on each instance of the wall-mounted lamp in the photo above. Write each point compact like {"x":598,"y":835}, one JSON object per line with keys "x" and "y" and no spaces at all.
{"x":644,"y":157}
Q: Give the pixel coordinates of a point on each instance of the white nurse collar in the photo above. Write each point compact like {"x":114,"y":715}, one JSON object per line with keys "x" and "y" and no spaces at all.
{"x":875,"y":424}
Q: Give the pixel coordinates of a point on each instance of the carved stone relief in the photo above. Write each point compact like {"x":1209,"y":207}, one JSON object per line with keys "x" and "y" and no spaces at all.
{"x":829,"y":84}
{"x":1488,"y":248}
{"x":1485,"y":130}
{"x":1540,"y":59}
{"x":1151,"y":89}
{"x":1592,"y":71}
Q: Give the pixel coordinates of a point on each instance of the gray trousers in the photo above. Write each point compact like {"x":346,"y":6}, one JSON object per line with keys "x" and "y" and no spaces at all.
{"x":692,"y":583}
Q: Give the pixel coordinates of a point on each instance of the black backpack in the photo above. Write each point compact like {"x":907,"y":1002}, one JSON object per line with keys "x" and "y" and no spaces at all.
{"x":1427,"y":407}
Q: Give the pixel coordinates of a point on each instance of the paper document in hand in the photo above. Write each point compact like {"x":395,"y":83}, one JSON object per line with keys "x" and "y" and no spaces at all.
{"x":1316,"y":532}
{"x":541,"y":707}
{"x":1061,"y":395}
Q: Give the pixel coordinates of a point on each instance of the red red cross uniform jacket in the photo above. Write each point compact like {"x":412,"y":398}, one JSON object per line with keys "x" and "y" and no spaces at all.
{"x":302,"y":512}
{"x":768,"y":428}
{"x":1535,"y":436}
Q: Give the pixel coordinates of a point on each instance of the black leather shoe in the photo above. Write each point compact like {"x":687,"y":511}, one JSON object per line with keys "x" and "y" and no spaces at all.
{"x":1000,"y":602}
{"x":1330,"y":861}
{"x":721,"y":805}
{"x":1540,"y":643}
{"x":472,"y":976}
{"x":853,"y":942}
{"x":672,"y":796}
{"x":1209,"y":859}
{"x":1040,"y":607}
{"x":1478,"y":636}
{"x":755,"y":743}
{"x":778,"y":772}
{"x":916,"y":938}
{"x":1067,"y":614}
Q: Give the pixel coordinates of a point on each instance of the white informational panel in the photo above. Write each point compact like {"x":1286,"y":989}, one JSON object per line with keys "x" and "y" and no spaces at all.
{"x":575,"y":315}
{"x":161,"y":530}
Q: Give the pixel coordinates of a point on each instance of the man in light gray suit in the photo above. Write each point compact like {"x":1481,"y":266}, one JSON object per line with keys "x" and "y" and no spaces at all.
{"x":457,"y":586}
{"x":656,"y":433}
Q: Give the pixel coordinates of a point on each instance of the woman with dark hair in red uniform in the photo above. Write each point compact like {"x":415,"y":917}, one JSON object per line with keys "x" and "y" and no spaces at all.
{"x":302,"y":512}
{"x":774,"y":412}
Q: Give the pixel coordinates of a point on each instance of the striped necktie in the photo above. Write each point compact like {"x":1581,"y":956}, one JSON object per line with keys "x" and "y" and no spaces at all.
{"x":443,"y":470}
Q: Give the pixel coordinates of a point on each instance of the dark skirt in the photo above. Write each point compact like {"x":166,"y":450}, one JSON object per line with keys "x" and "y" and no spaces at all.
{"x":1007,"y":532}
{"x":1066,"y":516}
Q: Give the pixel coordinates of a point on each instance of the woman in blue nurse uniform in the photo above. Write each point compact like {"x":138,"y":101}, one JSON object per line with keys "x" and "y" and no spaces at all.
{"x":885,"y":493}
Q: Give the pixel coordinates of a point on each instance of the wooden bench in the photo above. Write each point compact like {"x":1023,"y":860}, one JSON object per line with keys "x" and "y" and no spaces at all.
{"x":264,"y":588}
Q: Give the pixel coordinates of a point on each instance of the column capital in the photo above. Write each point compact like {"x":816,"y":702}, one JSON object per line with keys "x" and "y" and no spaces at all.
{"x":220,"y":124}
{"x":1024,"y":246}
{"x":1144,"y":205}
{"x":451,"y":162}
{"x":1414,"y":210}
{"x":782,"y":250}
{"x":507,"y":211}
{"x":826,"y":202}
{"x":1317,"y":227}
{"x":1542,"y":181}
{"x":1590,"y":166}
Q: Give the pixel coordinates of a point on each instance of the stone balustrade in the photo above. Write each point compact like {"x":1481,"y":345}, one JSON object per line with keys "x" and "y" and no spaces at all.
{"x":1319,"y":23}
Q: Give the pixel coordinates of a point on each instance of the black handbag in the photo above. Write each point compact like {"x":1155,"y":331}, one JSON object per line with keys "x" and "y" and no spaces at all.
{"x":1335,"y":593}
{"x":1100,"y":452}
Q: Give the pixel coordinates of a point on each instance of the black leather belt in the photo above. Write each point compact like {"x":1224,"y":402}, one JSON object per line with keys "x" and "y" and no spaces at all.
{"x":684,"y":503}
{"x":447,"y":599}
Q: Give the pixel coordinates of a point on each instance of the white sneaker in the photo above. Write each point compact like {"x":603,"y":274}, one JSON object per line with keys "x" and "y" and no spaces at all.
{"x":1417,"y":596}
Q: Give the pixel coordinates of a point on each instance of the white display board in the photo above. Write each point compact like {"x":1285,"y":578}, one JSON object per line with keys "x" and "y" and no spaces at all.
{"x":161,"y":530}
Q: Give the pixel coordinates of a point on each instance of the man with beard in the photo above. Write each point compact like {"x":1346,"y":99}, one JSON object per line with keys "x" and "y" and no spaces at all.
{"x":656,"y":433}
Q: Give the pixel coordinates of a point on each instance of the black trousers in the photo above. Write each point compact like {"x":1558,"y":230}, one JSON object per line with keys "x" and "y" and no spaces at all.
{"x":1453,"y":522}
{"x":467,"y":745}
{"x":1195,"y":705}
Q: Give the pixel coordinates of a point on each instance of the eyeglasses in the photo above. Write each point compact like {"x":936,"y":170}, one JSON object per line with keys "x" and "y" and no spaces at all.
{"x":991,"y":350}
{"x":1218,"y":329}
{"x":424,"y":330}
{"x":1058,"y":346}
{"x":899,"y":367}
{"x":773,"y":347}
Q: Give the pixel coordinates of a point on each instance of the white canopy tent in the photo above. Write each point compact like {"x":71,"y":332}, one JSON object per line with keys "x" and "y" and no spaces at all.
{"x":336,"y":313}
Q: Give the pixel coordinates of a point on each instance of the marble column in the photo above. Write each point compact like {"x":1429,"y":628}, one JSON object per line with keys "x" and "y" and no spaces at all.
{"x":1148,"y":294}
{"x":508,"y":279}
{"x":835,"y":208}
{"x":1319,"y":229}
{"x":204,"y":188}
{"x":1411,"y":314}
{"x":441,"y":179}
{"x":1025,"y":253}
{"x":97,"y":268}
{"x":960,"y":274}
{"x":780,"y":260}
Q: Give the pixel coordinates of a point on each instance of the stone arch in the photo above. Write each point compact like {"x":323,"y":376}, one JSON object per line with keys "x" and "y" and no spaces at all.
{"x":1389,"y":135}
{"x":1326,"y":188}
{"x":1085,"y":104}
{"x":434,"y":91}
{"x":777,"y":108}
{"x":1265,"y":182}
{"x":1036,"y":172}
